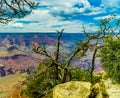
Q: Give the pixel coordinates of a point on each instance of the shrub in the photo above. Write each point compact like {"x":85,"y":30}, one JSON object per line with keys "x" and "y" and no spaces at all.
{"x":42,"y":82}
{"x":110,"y":58}
{"x":84,"y":75}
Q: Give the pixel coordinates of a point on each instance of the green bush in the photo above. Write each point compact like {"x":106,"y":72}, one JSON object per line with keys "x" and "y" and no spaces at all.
{"x":80,"y":75}
{"x":110,"y":57}
{"x":41,"y":83}
{"x":84,"y":75}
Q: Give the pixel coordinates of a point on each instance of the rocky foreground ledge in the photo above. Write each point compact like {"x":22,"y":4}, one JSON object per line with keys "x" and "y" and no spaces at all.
{"x":79,"y":89}
{"x":113,"y":90}
{"x":73,"y":89}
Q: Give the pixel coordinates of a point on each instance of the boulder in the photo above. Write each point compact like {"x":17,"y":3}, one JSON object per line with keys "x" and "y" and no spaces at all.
{"x":112,"y":89}
{"x":73,"y":89}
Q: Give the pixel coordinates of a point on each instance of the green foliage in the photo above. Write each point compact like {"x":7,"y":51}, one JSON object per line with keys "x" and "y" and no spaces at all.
{"x":110,"y":57}
{"x":80,"y":75}
{"x":97,"y":78}
{"x":84,"y":75}
{"x":43,"y":82}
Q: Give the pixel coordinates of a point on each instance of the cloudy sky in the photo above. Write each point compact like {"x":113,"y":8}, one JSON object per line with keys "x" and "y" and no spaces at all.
{"x":53,"y":15}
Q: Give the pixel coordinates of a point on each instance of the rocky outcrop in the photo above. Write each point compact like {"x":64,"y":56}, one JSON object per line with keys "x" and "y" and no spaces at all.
{"x":112,"y":89}
{"x":73,"y":89}
{"x":11,"y":48}
{"x":18,"y":62}
{"x":2,"y":70}
{"x":79,"y":89}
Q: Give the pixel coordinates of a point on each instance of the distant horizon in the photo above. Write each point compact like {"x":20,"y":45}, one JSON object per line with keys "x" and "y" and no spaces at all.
{"x":48,"y":32}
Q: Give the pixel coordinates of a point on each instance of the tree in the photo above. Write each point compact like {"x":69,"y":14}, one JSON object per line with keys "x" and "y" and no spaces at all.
{"x":49,"y":73}
{"x":110,"y":57}
{"x":110,"y":52}
{"x":84,"y":46}
{"x":42,"y":50}
{"x":15,"y":9}
{"x":105,"y":28}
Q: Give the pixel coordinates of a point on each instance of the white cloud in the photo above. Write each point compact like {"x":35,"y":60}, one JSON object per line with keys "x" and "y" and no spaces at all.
{"x":111,"y":3}
{"x":107,"y":16}
{"x":15,"y":24}
{"x":48,"y":19}
{"x":67,"y":7}
{"x":46,"y":23}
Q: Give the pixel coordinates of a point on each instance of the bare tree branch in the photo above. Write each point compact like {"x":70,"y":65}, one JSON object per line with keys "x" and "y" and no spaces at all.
{"x":15,"y":9}
{"x":58,"y":45}
{"x":85,"y":31}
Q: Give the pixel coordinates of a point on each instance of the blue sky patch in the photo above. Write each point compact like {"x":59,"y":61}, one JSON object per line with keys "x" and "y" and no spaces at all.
{"x":80,"y":5}
{"x":27,"y":22}
{"x":95,"y":3}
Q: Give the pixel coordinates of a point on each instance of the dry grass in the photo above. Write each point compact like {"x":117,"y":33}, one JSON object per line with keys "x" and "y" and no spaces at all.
{"x":7,"y":84}
{"x":16,"y":91}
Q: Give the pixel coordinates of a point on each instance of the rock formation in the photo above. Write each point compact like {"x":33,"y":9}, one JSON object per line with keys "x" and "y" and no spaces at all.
{"x":73,"y":89}
{"x":2,"y":70}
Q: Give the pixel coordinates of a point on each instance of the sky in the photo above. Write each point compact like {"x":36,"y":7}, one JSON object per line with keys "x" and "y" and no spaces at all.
{"x":52,"y":15}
